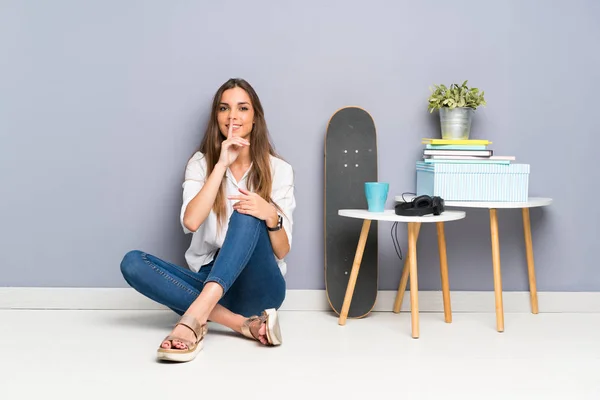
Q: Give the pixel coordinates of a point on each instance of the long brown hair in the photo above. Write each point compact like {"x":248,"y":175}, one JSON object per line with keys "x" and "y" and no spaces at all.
{"x":259,"y":178}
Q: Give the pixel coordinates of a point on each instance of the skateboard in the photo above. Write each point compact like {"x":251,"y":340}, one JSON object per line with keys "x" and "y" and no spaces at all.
{"x":350,"y":161}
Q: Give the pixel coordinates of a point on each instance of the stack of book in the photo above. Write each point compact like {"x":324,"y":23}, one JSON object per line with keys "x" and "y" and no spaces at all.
{"x":468,"y":151}
{"x":468,"y":170}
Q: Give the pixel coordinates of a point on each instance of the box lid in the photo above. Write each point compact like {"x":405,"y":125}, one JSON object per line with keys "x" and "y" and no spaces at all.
{"x":441,"y":168}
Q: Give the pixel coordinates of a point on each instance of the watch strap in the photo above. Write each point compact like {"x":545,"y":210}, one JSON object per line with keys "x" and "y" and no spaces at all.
{"x":279,"y":224}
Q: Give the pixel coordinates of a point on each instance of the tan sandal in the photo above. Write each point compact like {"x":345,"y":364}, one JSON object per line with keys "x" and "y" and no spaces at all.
{"x":271,"y":320}
{"x":184,"y":355}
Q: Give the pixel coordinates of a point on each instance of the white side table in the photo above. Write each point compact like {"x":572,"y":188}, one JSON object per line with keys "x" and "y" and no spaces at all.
{"x":414,"y":225}
{"x":493,"y":207}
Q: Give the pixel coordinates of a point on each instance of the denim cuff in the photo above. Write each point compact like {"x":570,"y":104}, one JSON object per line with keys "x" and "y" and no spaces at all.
{"x":220,"y":281}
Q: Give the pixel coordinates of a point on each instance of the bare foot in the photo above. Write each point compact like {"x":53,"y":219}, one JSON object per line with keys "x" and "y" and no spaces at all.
{"x":259,"y":330}
{"x":183,"y":332}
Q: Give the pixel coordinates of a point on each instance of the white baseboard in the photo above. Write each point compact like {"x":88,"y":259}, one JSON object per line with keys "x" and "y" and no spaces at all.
{"x":299,"y":300}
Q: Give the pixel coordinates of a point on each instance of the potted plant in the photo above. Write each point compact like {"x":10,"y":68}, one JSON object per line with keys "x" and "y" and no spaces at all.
{"x":457,"y":105}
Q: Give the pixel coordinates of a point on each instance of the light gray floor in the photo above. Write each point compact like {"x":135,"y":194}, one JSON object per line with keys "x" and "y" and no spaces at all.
{"x":110,"y":354}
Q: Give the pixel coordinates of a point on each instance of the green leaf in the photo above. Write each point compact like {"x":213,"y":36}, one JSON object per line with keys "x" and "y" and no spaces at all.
{"x":454,"y":95}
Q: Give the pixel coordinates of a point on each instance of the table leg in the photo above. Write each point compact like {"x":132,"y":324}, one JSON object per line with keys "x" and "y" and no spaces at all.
{"x":404,"y":278}
{"x":414,"y":285}
{"x":354,"y":273}
{"x":444,"y":271}
{"x":530,"y":263}
{"x":496,"y":269}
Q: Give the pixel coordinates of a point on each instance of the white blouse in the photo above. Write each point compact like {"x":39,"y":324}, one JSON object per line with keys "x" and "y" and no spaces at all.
{"x":206,"y":241}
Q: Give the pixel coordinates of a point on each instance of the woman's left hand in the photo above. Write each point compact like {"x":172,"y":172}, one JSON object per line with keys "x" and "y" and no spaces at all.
{"x":252,"y":204}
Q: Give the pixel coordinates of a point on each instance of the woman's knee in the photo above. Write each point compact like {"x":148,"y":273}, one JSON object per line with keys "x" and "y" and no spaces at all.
{"x":131,"y":264}
{"x":239,"y":218}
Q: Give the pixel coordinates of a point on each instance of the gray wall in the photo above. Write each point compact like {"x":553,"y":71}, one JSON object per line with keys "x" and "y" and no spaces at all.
{"x":102,"y":103}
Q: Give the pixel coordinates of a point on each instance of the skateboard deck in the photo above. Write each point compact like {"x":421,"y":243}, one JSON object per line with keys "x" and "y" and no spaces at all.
{"x":350,"y":161}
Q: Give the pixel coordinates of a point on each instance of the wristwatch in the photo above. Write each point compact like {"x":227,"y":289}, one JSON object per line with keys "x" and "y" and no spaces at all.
{"x":279,"y":224}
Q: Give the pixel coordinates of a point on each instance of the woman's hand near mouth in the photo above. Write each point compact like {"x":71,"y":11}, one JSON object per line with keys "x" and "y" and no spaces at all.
{"x":231,"y":147}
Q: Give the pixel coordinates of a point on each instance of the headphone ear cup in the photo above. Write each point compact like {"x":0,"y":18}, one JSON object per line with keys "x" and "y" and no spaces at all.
{"x":438,"y":205}
{"x":423,"y":201}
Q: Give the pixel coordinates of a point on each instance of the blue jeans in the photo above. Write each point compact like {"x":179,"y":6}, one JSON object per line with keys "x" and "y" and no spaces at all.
{"x":245,"y":267}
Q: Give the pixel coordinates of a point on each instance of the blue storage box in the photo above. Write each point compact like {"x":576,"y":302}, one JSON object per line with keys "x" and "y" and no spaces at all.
{"x":473,"y":182}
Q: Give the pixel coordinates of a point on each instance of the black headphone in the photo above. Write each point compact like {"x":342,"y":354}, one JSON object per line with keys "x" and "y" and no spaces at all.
{"x":421,"y":205}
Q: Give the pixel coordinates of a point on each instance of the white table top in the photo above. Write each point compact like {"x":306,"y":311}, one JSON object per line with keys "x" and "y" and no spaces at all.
{"x":531,"y":202}
{"x":390,"y":215}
